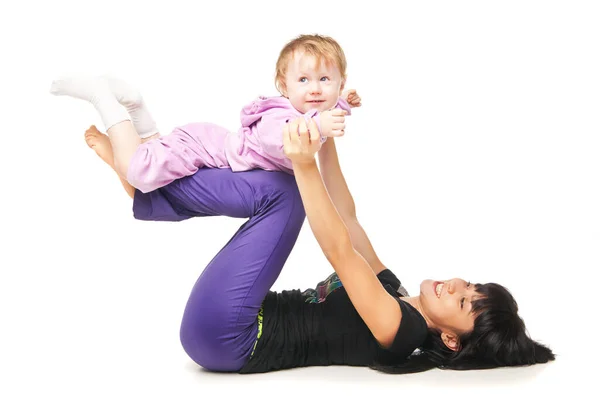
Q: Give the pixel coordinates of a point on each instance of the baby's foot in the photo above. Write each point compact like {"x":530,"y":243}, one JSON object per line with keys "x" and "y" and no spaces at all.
{"x":100,"y":143}
{"x":126,"y":94}
{"x":131,"y":98}
{"x":81,"y":87}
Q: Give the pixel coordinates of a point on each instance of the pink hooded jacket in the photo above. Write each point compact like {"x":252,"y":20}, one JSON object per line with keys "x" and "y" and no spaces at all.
{"x":258,"y":144}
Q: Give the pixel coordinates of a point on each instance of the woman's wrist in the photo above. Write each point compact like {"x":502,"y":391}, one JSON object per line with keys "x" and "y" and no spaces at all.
{"x":304,"y":165}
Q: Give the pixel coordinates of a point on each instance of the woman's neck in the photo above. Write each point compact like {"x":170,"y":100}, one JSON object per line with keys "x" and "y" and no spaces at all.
{"x":415,"y":301}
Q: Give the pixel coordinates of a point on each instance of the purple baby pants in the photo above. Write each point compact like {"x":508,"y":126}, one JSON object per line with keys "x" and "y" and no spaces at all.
{"x":219,"y":324}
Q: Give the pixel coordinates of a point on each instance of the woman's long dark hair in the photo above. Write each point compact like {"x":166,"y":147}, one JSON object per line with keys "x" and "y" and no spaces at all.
{"x":498,"y":339}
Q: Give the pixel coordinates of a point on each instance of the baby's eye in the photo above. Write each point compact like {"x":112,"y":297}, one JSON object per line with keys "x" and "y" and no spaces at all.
{"x":324,"y":79}
{"x":462,"y":302}
{"x":303,"y":80}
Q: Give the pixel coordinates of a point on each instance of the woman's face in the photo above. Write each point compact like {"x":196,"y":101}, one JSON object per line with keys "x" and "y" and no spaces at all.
{"x":446,"y":306}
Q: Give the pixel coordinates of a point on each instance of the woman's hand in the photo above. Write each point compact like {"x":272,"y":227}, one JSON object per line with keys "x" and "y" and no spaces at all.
{"x":301,"y":142}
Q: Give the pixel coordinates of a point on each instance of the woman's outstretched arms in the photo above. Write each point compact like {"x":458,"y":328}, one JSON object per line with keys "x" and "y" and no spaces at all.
{"x":378,"y":309}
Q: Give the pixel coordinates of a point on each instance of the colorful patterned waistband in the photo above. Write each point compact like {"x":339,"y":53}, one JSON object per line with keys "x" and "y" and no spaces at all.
{"x":260,"y":325}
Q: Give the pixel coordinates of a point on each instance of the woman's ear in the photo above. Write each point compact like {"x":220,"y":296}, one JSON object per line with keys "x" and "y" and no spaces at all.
{"x":451,"y":341}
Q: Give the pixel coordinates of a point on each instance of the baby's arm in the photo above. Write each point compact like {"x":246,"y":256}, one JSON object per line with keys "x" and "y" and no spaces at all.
{"x":270,"y":136}
{"x":352,"y":98}
{"x":331,"y":123}
{"x":270,"y":129}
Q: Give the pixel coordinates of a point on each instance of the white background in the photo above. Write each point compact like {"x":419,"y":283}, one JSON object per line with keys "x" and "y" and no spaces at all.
{"x":475,"y":154}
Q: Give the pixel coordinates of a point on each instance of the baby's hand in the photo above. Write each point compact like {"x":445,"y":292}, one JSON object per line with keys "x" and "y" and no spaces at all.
{"x":352,"y":98}
{"x":333,"y":122}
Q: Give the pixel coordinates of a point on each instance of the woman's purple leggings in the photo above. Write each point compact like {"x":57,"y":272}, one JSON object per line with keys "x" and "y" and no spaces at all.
{"x":219,"y":324}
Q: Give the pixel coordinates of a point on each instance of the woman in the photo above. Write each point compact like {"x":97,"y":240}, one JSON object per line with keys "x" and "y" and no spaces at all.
{"x":360,"y":315}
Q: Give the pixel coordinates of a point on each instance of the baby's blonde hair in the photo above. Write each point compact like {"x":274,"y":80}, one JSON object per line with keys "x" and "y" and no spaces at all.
{"x":319,"y":46}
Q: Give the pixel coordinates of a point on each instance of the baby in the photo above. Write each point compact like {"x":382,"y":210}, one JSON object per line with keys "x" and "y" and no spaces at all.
{"x":310,"y":76}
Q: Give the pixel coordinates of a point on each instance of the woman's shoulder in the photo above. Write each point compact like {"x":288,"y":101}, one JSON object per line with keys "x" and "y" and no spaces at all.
{"x":411,"y":333}
{"x":387,"y":277}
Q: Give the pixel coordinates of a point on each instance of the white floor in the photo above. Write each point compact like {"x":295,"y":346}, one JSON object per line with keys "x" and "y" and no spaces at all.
{"x":130,"y":372}
{"x":475,"y":154}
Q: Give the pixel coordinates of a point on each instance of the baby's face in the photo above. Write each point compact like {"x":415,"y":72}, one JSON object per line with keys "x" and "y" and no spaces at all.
{"x":311,"y":86}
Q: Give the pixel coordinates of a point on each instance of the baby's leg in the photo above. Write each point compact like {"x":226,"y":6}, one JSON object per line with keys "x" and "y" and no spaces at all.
{"x":125,"y":141}
{"x":100,"y":143}
{"x":188,"y":148}
{"x":147,"y":139}
{"x":131,"y":98}
{"x":167,"y":158}
{"x":122,"y":134}
{"x":157,"y":162}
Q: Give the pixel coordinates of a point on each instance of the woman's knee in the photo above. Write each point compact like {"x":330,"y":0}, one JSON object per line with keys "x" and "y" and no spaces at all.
{"x":283,"y":194}
{"x":293,"y":204}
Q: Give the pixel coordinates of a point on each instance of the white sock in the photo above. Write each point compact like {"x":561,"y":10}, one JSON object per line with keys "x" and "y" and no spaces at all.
{"x":132,"y":99}
{"x":97,"y":92}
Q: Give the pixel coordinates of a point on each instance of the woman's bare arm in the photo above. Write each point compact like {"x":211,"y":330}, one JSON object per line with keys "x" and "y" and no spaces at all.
{"x":344,"y":202}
